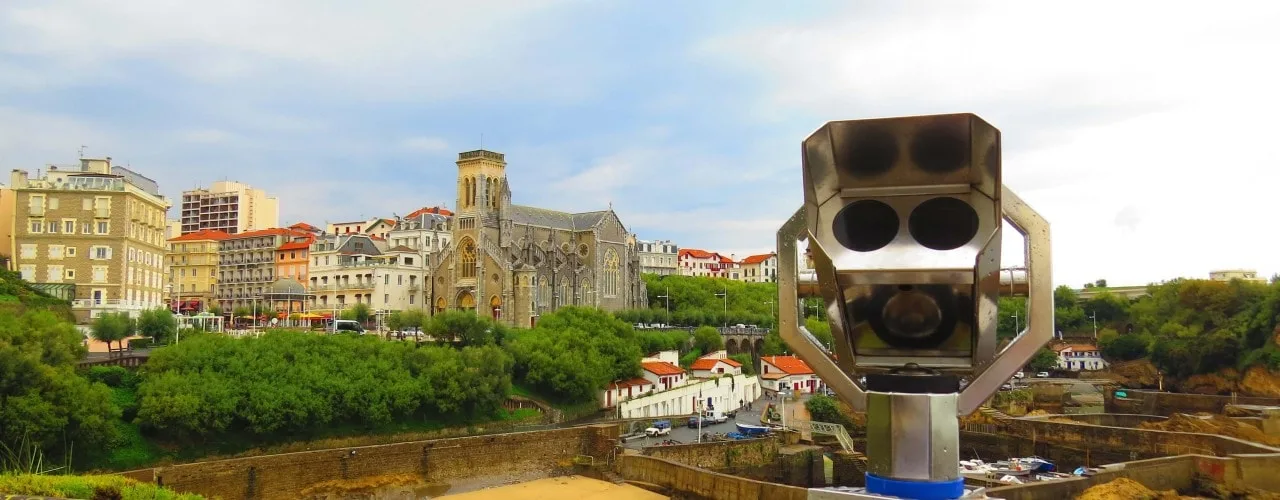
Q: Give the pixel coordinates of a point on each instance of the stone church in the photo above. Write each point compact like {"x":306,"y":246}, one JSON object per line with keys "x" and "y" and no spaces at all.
{"x":515,"y":263}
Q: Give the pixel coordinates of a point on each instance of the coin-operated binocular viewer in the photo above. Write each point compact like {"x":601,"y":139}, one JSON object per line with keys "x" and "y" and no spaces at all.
{"x":902,"y":221}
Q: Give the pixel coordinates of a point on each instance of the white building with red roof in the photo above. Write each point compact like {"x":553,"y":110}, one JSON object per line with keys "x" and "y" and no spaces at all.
{"x":761,"y":268}
{"x":788,"y":372}
{"x":712,"y":367}
{"x":694,"y":262}
{"x":1077,"y":357}
{"x":663,"y":375}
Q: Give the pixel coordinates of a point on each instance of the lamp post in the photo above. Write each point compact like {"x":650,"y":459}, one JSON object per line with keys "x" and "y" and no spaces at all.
{"x":1015,"y":323}
{"x":1094,"y":316}
{"x":666,"y":296}
{"x":725,"y":294}
{"x":772,"y":316}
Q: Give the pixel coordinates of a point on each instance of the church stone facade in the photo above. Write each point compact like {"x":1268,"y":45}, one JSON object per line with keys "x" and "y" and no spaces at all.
{"x":515,"y":263}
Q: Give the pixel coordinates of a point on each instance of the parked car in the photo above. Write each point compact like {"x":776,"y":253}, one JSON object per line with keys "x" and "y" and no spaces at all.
{"x":693,"y":421}
{"x":1006,"y":387}
{"x":1042,"y":375}
{"x":1020,"y":375}
{"x":346,"y":325}
{"x":660,"y":428}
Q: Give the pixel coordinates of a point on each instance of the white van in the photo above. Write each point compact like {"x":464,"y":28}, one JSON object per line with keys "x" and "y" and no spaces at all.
{"x":346,"y":325}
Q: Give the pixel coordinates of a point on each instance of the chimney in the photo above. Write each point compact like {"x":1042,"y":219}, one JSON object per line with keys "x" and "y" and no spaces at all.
{"x":18,"y":178}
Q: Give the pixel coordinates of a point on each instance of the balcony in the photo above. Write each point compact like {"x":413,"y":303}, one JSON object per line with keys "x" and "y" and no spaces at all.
{"x":112,"y":304}
{"x":357,"y":286}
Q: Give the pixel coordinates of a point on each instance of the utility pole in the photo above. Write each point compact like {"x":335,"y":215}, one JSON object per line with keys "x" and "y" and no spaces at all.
{"x":666,"y":295}
{"x":1015,"y":323}
{"x":726,"y":305}
{"x":1094,"y":315}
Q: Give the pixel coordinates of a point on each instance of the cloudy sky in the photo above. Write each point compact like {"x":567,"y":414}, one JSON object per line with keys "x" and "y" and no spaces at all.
{"x":1144,"y":131}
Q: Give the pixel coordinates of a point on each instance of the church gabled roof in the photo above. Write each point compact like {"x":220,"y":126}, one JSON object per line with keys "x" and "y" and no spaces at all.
{"x":534,"y":216}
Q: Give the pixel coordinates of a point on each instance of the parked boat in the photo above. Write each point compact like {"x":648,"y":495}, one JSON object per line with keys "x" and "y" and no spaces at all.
{"x":752,"y":430}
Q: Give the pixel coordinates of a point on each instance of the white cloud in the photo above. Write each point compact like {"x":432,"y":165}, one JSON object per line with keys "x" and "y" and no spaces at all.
{"x":29,"y":139}
{"x":1144,"y":135}
{"x":383,"y":50}
{"x":425,"y":144}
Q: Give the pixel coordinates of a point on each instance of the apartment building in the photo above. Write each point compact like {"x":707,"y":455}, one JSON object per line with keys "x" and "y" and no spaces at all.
{"x":1235,"y":274}
{"x":193,"y":270}
{"x":348,"y":269}
{"x":247,"y":265}
{"x":658,"y":257}
{"x":230,"y":207}
{"x":694,"y":262}
{"x":427,"y":230}
{"x":92,"y":233}
{"x":761,"y":268}
{"x":292,"y":261}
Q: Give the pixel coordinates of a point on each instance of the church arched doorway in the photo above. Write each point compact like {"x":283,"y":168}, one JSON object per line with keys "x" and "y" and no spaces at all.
{"x":495,"y":307}
{"x":441,"y":305}
{"x":466,"y":301}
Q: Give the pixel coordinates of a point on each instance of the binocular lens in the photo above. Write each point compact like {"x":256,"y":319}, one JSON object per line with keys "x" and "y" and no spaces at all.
{"x":912,"y":315}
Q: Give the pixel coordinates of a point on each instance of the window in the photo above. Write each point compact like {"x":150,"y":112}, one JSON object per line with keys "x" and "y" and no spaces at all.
{"x":399,"y":279}
{"x":35,"y":204}
{"x":99,"y":253}
{"x":99,"y":274}
{"x":86,"y":204}
{"x":55,"y":252}
{"x":71,"y":251}
{"x":410,"y":299}
{"x":28,"y":272}
{"x":70,"y":274}
{"x":468,"y":259}
{"x":386,"y":298}
{"x":36,"y":226}
{"x":408,"y":261}
{"x":27,"y":251}
{"x":386,"y":279}
{"x":611,"y":273}
{"x":54,"y":274}
{"x":52,"y":227}
{"x":69,"y":226}
{"x":103,"y":226}
{"x":102,"y":207}
{"x":86,"y":227}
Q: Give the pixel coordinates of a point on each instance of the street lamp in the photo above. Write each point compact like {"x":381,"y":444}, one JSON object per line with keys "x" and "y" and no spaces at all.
{"x":725,"y":294}
{"x":772,"y":316}
{"x":1094,"y":316}
{"x":1015,"y":323}
{"x":667,"y":297}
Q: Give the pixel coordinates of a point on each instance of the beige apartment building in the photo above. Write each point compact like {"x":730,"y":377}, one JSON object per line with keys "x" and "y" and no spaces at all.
{"x":7,"y":196}
{"x":1235,"y":274}
{"x":247,"y":265}
{"x":658,"y":257}
{"x":193,"y":270}
{"x":230,"y":207}
{"x":92,"y":233}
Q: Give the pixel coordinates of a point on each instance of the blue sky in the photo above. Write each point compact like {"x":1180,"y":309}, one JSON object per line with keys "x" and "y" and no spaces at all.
{"x":1133,"y":132}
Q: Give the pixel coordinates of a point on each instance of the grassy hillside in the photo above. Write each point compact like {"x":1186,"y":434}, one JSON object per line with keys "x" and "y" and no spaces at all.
{"x":16,"y":296}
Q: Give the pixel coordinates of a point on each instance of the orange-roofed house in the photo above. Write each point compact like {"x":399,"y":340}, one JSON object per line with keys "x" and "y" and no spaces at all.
{"x":292,"y":260}
{"x":694,"y":262}
{"x":193,"y":270}
{"x":1077,"y":357}
{"x":663,"y":375}
{"x":788,"y":372}
{"x":623,"y":390}
{"x":711,"y":367}
{"x":762,"y":268}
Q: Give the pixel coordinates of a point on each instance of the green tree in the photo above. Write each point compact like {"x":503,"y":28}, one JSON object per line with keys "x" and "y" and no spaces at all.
{"x":748,"y":366}
{"x":1122,"y":347}
{"x":358,"y":312}
{"x":395,"y":321}
{"x":112,"y":327}
{"x":1043,"y":360}
{"x":159,"y":324}
{"x":1012,"y":317}
{"x":574,"y":352}
{"x":1068,"y":316}
{"x":707,"y":339}
{"x":773,"y":345}
{"x":465,"y":328}
{"x":242,"y":312}
{"x":214,"y":309}
{"x":821,"y":330}
{"x":1108,"y":307}
{"x":823,"y":408}
{"x":42,"y":399}
{"x":694,"y":301}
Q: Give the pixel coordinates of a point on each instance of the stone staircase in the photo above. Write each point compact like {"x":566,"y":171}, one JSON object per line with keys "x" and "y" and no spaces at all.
{"x":994,"y":413}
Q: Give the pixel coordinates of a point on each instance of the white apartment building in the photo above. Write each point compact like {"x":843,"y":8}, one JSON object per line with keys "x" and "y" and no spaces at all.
{"x":428,"y":231}
{"x":758,"y":268}
{"x":694,"y":262}
{"x":247,"y":266}
{"x":658,"y":257}
{"x":1235,"y":274}
{"x":350,"y":269}
{"x":1080,"y":357}
{"x":230,"y":207}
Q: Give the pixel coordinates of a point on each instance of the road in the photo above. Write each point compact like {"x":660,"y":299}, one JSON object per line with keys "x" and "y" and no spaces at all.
{"x":681,"y":432}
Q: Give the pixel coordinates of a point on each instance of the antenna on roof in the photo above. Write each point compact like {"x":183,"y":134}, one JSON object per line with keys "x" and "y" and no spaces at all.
{"x":82,"y":146}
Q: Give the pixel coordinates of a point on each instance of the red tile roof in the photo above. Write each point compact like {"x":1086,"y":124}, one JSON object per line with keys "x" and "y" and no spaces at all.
{"x":635,"y":382}
{"x":430,"y":210}
{"x":304,"y":226}
{"x":402,"y":248}
{"x":725,"y":260}
{"x":704,"y":364}
{"x":275,"y":231}
{"x":1082,"y":348}
{"x":731,"y":362}
{"x":202,"y":235}
{"x":695,"y":253}
{"x":295,"y":245}
{"x":661,"y":368}
{"x":790,"y":364}
{"x":756,"y":259}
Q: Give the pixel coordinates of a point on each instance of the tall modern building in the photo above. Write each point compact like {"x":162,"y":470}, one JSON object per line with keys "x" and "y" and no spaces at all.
{"x":92,"y":233}
{"x":658,"y":257}
{"x":230,"y":207}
